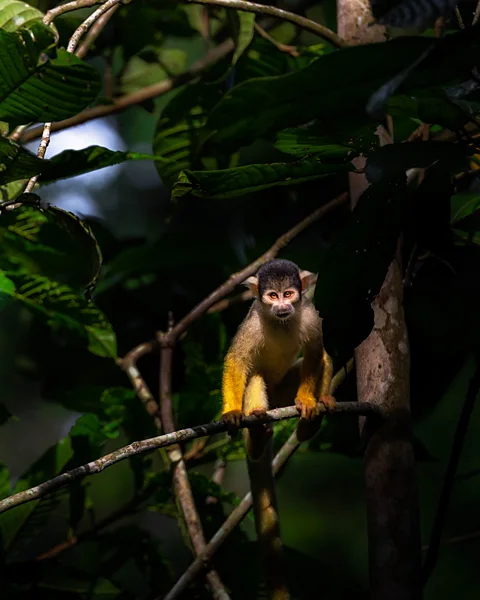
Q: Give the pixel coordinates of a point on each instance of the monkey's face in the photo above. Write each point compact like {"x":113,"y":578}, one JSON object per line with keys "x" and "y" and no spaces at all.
{"x":280,"y":301}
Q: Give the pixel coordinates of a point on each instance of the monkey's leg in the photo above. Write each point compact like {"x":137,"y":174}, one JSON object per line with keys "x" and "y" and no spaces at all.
{"x":258,"y":445}
{"x":287,"y":393}
{"x":325,"y":396}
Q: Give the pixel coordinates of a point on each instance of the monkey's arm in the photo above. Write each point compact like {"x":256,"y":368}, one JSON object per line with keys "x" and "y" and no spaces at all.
{"x":233,"y":386}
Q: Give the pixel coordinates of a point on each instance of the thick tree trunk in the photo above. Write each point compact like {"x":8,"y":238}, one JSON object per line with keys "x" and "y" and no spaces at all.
{"x":383,"y":368}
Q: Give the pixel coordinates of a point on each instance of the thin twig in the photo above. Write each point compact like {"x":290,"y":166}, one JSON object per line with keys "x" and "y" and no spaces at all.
{"x":95,"y":31}
{"x":476,"y":14}
{"x":282,"y":47}
{"x":89,"y":21}
{"x":161,"y":441}
{"x":146,"y":93}
{"x":42,"y":149}
{"x":129,"y":364}
{"x":241,"y":511}
{"x":237,"y":278}
{"x":459,"y":18}
{"x":285,"y":15}
{"x":226,"y":302}
{"x":181,"y":483}
{"x":457,"y":446}
{"x":72,"y":45}
{"x":218,"y":474}
{"x":68,"y":7}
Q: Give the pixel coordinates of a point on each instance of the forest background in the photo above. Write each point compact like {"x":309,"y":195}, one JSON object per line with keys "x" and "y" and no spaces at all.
{"x":187,"y":139}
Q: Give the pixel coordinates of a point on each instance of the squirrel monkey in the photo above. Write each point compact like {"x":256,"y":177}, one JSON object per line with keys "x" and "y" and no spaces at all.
{"x":262,"y":372}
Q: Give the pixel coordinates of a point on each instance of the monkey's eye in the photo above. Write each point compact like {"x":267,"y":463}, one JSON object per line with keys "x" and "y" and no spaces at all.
{"x":288,"y":294}
{"x":273,"y":295}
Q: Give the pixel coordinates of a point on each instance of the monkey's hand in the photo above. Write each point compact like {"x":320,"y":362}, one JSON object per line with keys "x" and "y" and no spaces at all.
{"x":232,"y":419}
{"x":306,"y":406}
{"x":328,"y":401}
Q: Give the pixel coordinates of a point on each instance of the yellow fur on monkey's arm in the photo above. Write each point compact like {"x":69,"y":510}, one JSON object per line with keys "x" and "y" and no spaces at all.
{"x":233,"y":387}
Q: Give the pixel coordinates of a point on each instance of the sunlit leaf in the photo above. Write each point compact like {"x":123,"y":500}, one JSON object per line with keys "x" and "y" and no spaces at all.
{"x":243,"y":29}
{"x":35,"y":88}
{"x":15,"y":14}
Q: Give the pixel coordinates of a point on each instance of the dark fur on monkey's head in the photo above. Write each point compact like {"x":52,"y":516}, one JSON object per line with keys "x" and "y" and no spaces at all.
{"x":283,"y":273}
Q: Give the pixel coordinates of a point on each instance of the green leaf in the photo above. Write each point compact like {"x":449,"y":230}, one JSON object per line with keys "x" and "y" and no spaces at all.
{"x":35,"y":88}
{"x":17,"y":162}
{"x":179,"y":130}
{"x":141,"y":72}
{"x":49,"y":465}
{"x":242,"y":24}
{"x":6,"y":285}
{"x":230,"y":183}
{"x":354,"y":267}
{"x":257,"y":108}
{"x":328,"y":137}
{"x":71,"y":163}
{"x":300,"y":143}
{"x":12,"y":190}
{"x":465,"y":216}
{"x":63,"y":307}
{"x":5,"y":487}
{"x":393,"y":159}
{"x":96,"y":431}
{"x":43,"y":241}
{"x":15,"y":15}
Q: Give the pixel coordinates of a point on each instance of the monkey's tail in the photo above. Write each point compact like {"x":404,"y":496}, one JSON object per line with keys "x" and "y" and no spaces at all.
{"x":266,"y":522}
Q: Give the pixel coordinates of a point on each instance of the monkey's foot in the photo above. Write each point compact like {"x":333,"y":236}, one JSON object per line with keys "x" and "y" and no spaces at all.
{"x":328,"y":402}
{"x":307,"y":407}
{"x":258,"y":412}
{"x":262,"y":428}
{"x":232,"y":419}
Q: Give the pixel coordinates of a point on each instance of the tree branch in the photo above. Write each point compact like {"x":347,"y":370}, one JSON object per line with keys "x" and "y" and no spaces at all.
{"x":383,"y":375}
{"x":72,"y":45}
{"x":95,"y":31}
{"x":89,"y":21}
{"x":181,"y":483}
{"x":285,"y":15}
{"x":161,"y":441}
{"x":51,"y":15}
{"x":240,"y":511}
{"x":129,"y":364}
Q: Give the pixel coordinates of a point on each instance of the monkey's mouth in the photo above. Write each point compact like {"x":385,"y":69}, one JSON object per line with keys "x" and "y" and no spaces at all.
{"x":283,"y":316}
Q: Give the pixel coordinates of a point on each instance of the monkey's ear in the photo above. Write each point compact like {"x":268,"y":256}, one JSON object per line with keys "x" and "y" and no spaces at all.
{"x":252,"y":284}
{"x":309,"y":281}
